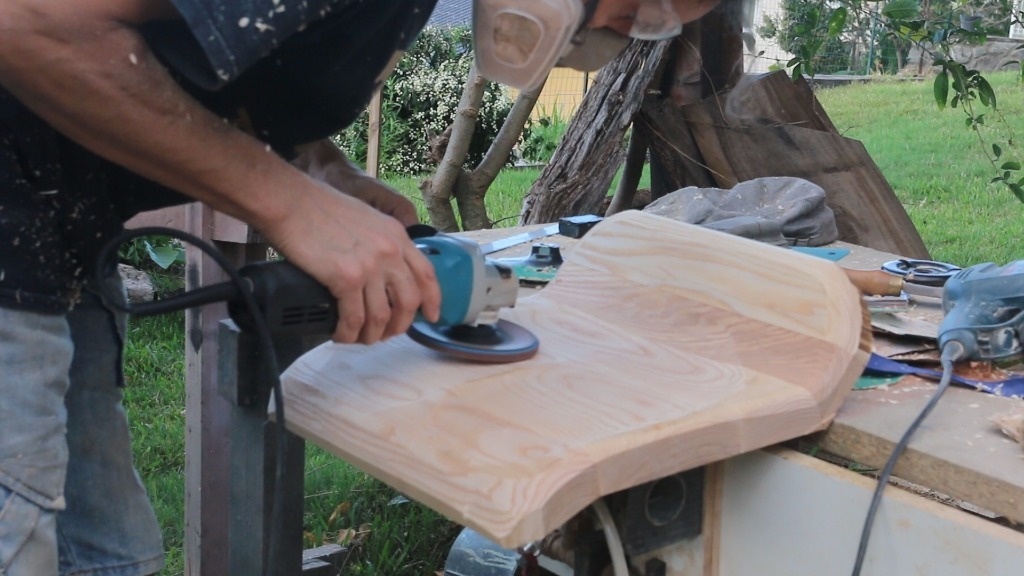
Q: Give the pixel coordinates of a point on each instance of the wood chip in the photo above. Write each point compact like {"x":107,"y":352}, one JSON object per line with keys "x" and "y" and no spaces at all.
{"x":1011,"y":424}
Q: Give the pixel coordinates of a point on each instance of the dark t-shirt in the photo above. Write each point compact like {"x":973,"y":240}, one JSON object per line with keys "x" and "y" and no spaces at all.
{"x":292,"y":71}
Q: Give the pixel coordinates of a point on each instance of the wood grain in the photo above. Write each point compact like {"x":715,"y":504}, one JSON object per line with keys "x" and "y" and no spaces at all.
{"x":664,"y":346}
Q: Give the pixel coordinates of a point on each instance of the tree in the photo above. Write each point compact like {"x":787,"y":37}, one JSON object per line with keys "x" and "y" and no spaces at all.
{"x":452,"y":180}
{"x":576,"y":181}
{"x":809,"y":30}
{"x":419,"y":101}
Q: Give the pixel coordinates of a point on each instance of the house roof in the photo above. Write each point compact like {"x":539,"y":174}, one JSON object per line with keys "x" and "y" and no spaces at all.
{"x":452,"y":13}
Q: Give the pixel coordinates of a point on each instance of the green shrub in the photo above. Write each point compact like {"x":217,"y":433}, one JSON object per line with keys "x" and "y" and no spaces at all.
{"x":807,"y":29}
{"x":419,"y":101}
{"x":542,"y":136}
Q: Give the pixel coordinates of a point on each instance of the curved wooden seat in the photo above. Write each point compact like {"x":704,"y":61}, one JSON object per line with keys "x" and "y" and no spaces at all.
{"x":664,"y":346}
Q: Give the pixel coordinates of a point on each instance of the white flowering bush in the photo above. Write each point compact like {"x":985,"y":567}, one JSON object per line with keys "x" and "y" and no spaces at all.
{"x":419,"y":101}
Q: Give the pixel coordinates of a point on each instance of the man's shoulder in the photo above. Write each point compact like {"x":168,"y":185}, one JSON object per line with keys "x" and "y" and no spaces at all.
{"x":219,"y":40}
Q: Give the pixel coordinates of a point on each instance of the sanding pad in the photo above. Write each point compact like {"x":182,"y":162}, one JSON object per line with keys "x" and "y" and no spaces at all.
{"x":499,"y":343}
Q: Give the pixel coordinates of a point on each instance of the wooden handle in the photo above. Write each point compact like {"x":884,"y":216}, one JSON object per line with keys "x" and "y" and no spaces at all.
{"x":875,"y":282}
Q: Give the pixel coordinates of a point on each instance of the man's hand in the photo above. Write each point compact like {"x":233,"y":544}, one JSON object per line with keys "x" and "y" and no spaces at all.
{"x":365,"y":258}
{"x":326,"y":162}
{"x":381,"y":292}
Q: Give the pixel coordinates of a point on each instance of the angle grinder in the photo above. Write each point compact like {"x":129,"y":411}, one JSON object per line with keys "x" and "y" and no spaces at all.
{"x":984,"y":311}
{"x":473,"y":291}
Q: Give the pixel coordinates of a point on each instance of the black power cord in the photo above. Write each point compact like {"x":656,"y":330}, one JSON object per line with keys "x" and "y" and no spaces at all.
{"x":239,"y":288}
{"x":951,"y":352}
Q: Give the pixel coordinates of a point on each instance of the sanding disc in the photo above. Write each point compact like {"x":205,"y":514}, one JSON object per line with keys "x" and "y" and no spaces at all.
{"x":499,"y":343}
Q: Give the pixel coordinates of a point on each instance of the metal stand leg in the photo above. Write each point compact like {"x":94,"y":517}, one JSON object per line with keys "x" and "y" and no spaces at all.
{"x":253,"y":454}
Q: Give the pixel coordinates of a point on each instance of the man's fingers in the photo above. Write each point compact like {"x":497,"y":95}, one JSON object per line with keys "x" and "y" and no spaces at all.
{"x":351,"y":316}
{"x":405,"y":301}
{"x":378,"y":313}
{"x":383,"y":298}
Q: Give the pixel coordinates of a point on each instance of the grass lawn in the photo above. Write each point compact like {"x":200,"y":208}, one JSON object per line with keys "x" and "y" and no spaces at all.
{"x":935,"y":165}
{"x":504,"y":197}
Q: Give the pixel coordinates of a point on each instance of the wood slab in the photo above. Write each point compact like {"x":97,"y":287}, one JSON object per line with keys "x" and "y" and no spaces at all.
{"x":957,"y":451}
{"x":866,"y":208}
{"x":664,"y":346}
{"x":771,"y":126}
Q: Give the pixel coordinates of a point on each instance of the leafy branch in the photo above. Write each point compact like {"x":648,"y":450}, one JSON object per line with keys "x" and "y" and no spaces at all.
{"x":815,"y":29}
{"x":955,"y":84}
{"x":935,"y":34}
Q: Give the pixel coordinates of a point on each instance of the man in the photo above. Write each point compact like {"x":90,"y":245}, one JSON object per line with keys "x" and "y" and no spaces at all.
{"x":110,"y":107}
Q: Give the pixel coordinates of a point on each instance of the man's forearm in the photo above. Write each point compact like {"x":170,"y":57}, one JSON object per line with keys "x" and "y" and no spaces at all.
{"x":83,"y":68}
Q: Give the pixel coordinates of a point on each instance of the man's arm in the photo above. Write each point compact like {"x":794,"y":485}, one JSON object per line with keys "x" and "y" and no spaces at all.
{"x":82,"y":66}
{"x":325,"y":162}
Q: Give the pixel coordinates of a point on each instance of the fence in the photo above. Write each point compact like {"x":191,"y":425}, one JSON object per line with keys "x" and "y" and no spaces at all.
{"x":562,"y":93}
{"x":863,"y":48}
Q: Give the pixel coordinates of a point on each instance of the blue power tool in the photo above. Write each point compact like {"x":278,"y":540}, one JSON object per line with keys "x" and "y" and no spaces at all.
{"x":473,"y":291}
{"x":984,"y":311}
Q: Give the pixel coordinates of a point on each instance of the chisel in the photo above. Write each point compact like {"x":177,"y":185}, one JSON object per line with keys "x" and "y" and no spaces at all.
{"x":881,"y":283}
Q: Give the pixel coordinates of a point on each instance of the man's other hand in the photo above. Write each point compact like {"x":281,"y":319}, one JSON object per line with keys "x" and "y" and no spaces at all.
{"x":326,"y":162}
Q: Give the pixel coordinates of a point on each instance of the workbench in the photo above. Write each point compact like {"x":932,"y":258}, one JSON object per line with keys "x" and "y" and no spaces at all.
{"x":782,"y":511}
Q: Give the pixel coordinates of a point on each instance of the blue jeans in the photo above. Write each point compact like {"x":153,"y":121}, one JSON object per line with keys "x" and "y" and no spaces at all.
{"x":71,"y":501}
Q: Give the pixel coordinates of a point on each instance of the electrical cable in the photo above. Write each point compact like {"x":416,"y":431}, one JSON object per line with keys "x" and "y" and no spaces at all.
{"x":611,"y":536}
{"x":951,"y":352}
{"x":106,"y":265}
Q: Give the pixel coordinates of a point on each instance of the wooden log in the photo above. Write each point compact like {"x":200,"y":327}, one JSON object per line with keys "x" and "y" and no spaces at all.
{"x":721,"y":47}
{"x":585,"y":162}
{"x":664,"y":347}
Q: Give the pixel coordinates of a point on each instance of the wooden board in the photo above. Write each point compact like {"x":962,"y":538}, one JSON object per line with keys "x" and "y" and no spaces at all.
{"x":664,"y":346}
{"x":957,"y":450}
{"x":770,"y":126}
{"x":867,"y":211}
{"x":771,"y":99}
